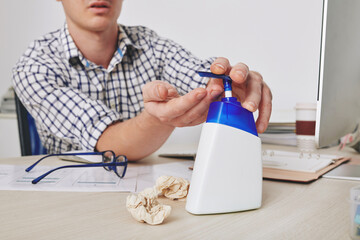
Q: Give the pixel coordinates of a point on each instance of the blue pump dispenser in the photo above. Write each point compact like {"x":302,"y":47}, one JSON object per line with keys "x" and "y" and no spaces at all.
{"x":226,"y":81}
{"x":227,"y":175}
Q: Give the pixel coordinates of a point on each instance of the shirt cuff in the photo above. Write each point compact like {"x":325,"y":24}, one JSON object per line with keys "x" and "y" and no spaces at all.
{"x":93,"y":132}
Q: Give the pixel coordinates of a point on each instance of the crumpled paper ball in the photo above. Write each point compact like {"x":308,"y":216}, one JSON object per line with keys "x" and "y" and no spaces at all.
{"x":172,"y":187}
{"x":144,"y":207}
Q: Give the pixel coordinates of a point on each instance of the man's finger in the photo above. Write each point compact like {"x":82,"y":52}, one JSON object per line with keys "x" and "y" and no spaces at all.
{"x":215,"y":88}
{"x":158,"y":91}
{"x":196,"y":114}
{"x":176,"y":106}
{"x":265,"y":109}
{"x":253,"y":91}
{"x":220,"y":66}
{"x":239,"y":73}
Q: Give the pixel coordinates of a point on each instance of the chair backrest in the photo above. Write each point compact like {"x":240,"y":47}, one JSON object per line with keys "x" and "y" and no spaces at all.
{"x":30,"y":143}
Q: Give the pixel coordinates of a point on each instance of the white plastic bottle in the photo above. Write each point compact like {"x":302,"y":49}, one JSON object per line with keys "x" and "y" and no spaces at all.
{"x":227,"y":175}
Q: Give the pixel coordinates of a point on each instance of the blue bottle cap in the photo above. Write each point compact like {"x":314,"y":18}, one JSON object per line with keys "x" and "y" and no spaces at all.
{"x":229,"y":111}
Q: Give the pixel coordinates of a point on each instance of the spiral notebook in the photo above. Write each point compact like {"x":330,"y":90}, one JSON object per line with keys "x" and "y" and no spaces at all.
{"x":298,"y":166}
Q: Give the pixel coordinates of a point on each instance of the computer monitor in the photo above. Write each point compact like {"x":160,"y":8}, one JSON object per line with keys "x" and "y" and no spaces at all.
{"x":338,"y":100}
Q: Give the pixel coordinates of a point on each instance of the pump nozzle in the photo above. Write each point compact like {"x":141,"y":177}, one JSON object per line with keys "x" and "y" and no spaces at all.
{"x":226,"y":80}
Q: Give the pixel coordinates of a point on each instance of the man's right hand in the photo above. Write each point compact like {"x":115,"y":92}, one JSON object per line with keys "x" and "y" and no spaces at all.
{"x":163,"y":102}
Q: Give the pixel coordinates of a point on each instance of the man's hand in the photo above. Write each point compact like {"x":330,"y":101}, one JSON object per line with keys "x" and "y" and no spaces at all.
{"x":162,"y":101}
{"x":248,"y":87}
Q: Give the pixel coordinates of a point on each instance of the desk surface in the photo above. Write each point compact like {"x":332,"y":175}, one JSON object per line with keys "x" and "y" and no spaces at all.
{"x":319,"y":210}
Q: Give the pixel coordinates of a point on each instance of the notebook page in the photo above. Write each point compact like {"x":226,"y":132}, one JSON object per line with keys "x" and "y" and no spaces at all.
{"x":296,"y":161}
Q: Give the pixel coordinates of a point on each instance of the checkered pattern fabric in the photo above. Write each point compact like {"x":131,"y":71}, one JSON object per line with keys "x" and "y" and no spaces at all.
{"x":73,"y":100}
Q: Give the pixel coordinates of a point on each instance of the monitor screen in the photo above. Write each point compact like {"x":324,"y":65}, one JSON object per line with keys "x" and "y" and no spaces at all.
{"x":338,"y":100}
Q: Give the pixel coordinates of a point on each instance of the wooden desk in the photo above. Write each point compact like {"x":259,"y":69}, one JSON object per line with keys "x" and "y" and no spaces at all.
{"x":319,"y":210}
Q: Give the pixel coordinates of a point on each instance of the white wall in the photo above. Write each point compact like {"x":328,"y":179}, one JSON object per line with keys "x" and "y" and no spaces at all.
{"x":278,"y":38}
{"x":22,"y":21}
{"x":9,"y":138}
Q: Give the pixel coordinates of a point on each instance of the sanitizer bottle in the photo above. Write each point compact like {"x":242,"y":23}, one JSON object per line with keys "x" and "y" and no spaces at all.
{"x":227,"y":175}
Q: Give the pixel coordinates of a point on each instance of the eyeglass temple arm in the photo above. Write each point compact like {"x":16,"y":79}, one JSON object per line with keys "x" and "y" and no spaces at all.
{"x":61,"y":154}
{"x":38,"y":179}
{"x":36,"y":163}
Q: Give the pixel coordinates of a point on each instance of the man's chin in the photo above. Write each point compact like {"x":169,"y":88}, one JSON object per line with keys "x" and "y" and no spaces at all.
{"x":100,"y":24}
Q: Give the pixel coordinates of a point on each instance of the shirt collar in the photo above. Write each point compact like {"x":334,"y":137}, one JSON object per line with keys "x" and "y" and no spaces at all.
{"x":124,"y":42}
{"x":74,"y":56}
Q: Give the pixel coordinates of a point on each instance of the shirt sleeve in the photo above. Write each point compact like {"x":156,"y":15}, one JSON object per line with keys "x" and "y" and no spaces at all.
{"x":60,"y":110}
{"x":178,"y":66}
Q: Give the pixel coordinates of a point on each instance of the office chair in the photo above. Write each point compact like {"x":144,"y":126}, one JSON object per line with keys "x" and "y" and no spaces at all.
{"x":30,"y":143}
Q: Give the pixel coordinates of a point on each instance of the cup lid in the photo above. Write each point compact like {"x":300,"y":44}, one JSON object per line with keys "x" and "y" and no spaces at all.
{"x":311,"y":106}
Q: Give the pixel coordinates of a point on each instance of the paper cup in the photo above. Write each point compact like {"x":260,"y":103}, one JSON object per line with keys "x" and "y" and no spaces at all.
{"x":305,"y":126}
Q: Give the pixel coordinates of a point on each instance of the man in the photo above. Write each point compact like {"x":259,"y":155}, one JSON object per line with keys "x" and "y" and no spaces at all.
{"x":97,"y":85}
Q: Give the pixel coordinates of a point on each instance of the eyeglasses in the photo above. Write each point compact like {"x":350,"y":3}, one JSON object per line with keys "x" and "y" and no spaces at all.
{"x":110,"y":162}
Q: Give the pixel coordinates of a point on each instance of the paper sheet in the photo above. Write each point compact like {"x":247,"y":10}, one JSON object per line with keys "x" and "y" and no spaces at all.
{"x":70,"y":180}
{"x":137,"y":178}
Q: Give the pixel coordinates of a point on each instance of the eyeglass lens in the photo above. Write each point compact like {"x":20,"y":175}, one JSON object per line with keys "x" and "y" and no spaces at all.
{"x":120,"y":169}
{"x":108,"y":157}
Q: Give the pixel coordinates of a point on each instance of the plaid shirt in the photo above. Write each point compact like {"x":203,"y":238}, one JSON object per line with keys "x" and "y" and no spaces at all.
{"x":73,"y":100}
